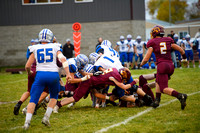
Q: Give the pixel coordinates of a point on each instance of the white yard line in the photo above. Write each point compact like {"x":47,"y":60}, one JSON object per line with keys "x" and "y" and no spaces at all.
{"x":8,"y":102}
{"x":14,"y":81}
{"x":139,"y":114}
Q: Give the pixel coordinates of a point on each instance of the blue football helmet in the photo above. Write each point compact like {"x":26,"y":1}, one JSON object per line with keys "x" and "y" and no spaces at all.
{"x":92,"y":57}
{"x":81,"y":61}
{"x":45,"y":35}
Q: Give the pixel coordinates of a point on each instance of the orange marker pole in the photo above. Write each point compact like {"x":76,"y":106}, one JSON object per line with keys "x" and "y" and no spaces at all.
{"x":77,"y":37}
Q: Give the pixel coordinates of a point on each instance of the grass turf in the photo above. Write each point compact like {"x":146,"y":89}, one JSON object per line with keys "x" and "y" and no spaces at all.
{"x":83,"y":118}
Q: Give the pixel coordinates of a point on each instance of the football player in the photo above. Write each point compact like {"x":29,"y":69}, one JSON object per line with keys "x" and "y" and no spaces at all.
{"x":47,"y":73}
{"x":130,"y":52}
{"x":123,"y":49}
{"x":101,"y":81}
{"x":139,"y":48}
{"x":187,"y":45}
{"x":198,"y":48}
{"x":162,"y":47}
{"x":178,"y":42}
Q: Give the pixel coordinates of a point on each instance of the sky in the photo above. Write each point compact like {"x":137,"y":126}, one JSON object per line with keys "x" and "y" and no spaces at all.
{"x":148,"y":16}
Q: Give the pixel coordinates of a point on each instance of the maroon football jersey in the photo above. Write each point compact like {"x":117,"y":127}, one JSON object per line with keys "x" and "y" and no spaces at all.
{"x":104,"y":78}
{"x":161,"y":48}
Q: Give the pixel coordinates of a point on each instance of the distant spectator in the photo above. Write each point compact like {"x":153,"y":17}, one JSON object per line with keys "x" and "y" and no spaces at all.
{"x":99,"y":42}
{"x":68,"y":49}
{"x":171,"y":34}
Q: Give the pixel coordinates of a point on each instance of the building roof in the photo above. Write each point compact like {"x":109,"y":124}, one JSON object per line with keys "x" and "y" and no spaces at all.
{"x":159,"y":22}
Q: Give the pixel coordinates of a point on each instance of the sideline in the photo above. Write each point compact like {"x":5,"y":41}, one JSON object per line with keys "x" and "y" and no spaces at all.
{"x":139,"y":114}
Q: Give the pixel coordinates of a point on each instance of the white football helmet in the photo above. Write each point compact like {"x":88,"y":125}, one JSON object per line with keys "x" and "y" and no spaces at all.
{"x":81,"y":61}
{"x":121,"y":37}
{"x":106,"y":43}
{"x":129,"y":36}
{"x":93,"y":57}
{"x":45,"y":35}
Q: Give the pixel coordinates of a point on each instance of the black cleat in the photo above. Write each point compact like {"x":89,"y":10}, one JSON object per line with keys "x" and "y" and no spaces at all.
{"x":182,"y":98}
{"x":16,"y":109}
{"x":147,"y":100}
{"x":156,"y":103}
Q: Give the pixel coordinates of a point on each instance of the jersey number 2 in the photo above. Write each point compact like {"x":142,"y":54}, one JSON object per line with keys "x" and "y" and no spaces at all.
{"x":45,"y":55}
{"x":163,"y":48}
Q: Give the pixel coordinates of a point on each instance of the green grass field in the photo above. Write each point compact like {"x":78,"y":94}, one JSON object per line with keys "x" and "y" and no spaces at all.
{"x":83,"y":118}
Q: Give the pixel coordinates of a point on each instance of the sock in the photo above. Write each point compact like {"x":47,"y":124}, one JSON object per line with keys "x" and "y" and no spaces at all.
{"x":59,"y":105}
{"x":48,"y":111}
{"x":28,"y":117}
{"x":20,"y":102}
{"x":175,"y":93}
{"x":158,"y":95}
{"x":47,"y":99}
{"x":148,"y":90}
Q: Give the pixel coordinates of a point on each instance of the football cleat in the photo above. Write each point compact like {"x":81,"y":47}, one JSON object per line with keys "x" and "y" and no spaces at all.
{"x":45,"y":121}
{"x":16,"y":109}
{"x":26,"y":125}
{"x":148,"y":100}
{"x":156,"y":103}
{"x":55,"y":109}
{"x":70,"y":105}
{"x":182,"y":98}
{"x":24,"y":110}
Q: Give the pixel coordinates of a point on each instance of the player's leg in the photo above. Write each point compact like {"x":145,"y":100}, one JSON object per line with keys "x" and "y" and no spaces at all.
{"x":37,"y":89}
{"x":53,"y":85}
{"x":25,"y":95}
{"x":136,"y":59}
{"x":125,"y":59}
{"x":187,"y":55}
{"x":192,"y":58}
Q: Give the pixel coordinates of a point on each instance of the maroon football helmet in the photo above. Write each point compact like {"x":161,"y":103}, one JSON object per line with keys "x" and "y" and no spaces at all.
{"x":157,"y":31}
{"x":125,"y":73}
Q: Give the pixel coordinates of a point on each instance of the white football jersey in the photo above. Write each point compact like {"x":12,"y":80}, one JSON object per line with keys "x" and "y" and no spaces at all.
{"x":123,"y":47}
{"x":139,"y":47}
{"x":107,"y":61}
{"x":179,"y":42}
{"x":131,"y":44}
{"x":198,"y":39}
{"x":45,"y":55}
{"x":72,"y":65}
{"x":187,"y":45}
{"x":110,"y":51}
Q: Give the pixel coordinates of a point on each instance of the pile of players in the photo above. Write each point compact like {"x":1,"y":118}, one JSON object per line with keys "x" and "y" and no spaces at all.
{"x":94,"y":76}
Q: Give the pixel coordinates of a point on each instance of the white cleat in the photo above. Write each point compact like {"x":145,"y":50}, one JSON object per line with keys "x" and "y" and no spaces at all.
{"x":55,"y":109}
{"x":24,"y":110}
{"x":71,"y":105}
{"x":26,"y":125}
{"x":45,"y":121}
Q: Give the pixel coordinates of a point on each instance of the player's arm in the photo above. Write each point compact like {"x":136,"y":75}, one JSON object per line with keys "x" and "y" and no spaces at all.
{"x":85,"y":73}
{"x":143,"y":49}
{"x":178,"y":48}
{"x":116,"y":47}
{"x":78,"y":80}
{"x":123,"y":86}
{"x":65,"y":65}
{"x":30,"y":61}
{"x":147,"y":56}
